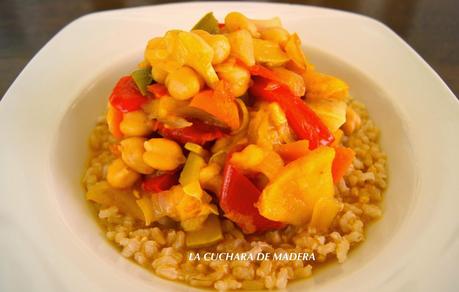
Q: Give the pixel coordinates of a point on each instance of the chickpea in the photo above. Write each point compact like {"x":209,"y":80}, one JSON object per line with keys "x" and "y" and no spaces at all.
{"x":275,"y":34}
{"x":120,"y":176}
{"x":219,"y":44}
{"x":183,"y":83}
{"x":163,"y":154}
{"x":132,"y":154}
{"x":235,"y":21}
{"x":237,"y":76}
{"x":353,"y":121}
{"x":135,"y":124}
{"x":159,"y":75}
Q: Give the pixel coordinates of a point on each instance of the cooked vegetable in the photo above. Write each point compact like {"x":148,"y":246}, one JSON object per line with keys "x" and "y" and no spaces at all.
{"x":301,"y":118}
{"x":163,"y":154}
{"x":235,"y":21}
{"x":269,"y":53}
{"x":293,"y":49}
{"x":114,"y":118}
{"x":199,"y":57}
{"x":292,"y":195}
{"x":159,"y":183}
{"x":146,"y":206}
{"x":135,"y":123}
{"x":208,"y":234}
{"x":237,"y":199}
{"x":142,"y":79}
{"x":195,"y":148}
{"x":237,"y":76}
{"x":219,"y":44}
{"x":257,"y":159}
{"x":181,"y":207}
{"x":293,"y":80}
{"x":338,"y":134}
{"x":268,"y":126}
{"x":126,"y":96}
{"x":324,"y":212}
{"x":158,"y":90}
{"x":219,"y":103}
{"x":244,"y":114}
{"x":183,"y":83}
{"x":165,"y":110}
{"x":189,"y":177}
{"x":132,"y":151}
{"x":178,"y":48}
{"x":159,"y":75}
{"x":242,"y":46}
{"x":275,"y":34}
{"x":293,"y":151}
{"x":199,"y":133}
{"x":353,"y":121}
{"x":120,"y":176}
{"x":104,"y":194}
{"x":319,"y":85}
{"x":343,"y":159}
{"x":262,"y":24}
{"x":330,"y":111}
{"x":208,"y":23}
{"x":210,"y":177}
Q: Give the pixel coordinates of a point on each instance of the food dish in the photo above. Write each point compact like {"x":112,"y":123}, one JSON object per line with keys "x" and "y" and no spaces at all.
{"x":226,"y":160}
{"x":52,"y":237}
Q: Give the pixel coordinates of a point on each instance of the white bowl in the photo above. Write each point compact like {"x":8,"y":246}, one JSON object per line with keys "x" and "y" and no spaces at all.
{"x":49,"y":233}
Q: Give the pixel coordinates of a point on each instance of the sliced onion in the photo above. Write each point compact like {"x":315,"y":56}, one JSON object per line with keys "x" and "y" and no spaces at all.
{"x":244,"y":114}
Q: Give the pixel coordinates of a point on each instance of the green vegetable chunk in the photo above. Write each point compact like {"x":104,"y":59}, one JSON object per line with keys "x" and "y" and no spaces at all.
{"x":210,"y":233}
{"x":208,"y":23}
{"x":142,"y":79}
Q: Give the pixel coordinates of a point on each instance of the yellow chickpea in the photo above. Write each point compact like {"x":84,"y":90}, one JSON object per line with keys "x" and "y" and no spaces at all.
{"x":163,"y":154}
{"x":219,"y":44}
{"x":120,"y":176}
{"x":235,"y":21}
{"x":237,"y":76}
{"x":275,"y":34}
{"x":135,"y":124}
{"x":132,"y":151}
{"x":183,"y":83}
{"x":159,"y":75}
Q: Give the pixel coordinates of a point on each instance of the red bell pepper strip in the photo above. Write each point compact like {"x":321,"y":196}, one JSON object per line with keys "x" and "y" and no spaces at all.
{"x":262,"y":71}
{"x":341,"y":162}
{"x":237,"y":199}
{"x":126,"y":96}
{"x":198,"y":133}
{"x":158,"y":90}
{"x":303,"y":121}
{"x":160,"y":183}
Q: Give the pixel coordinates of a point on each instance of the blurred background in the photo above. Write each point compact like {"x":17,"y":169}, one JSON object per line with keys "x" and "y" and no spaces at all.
{"x":430,"y":27}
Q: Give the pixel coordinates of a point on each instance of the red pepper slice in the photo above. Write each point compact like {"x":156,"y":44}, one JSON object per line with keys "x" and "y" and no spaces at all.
{"x":158,"y":90}
{"x":237,"y":199}
{"x":303,"y":121}
{"x":126,"y":97}
{"x":160,"y":183}
{"x":198,"y":133}
{"x":262,"y":71}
